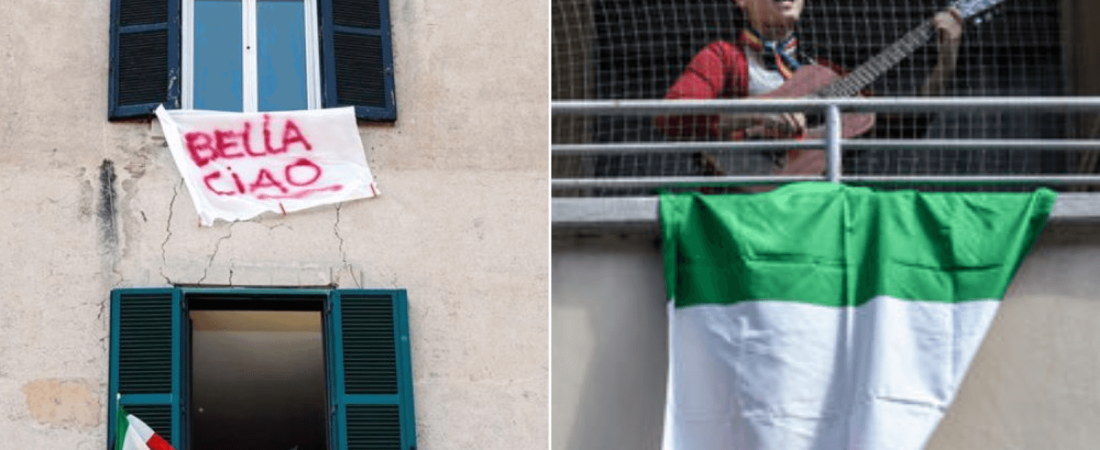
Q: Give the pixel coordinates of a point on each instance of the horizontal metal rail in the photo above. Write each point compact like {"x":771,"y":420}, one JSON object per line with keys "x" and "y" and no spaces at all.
{"x":641,"y":213}
{"x":972,"y":144}
{"x":621,"y":148}
{"x":988,"y":180}
{"x":856,"y":104}
{"x":833,"y":144}
{"x":662,"y":182}
{"x":683,"y":147}
{"x":617,"y":212}
{"x":669,"y":182}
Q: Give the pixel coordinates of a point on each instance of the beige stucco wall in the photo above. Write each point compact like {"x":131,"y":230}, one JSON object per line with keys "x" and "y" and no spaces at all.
{"x":462,"y":222}
{"x":1033,"y":384}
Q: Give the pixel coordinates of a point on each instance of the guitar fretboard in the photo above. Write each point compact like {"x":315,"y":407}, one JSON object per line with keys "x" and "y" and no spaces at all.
{"x":876,"y":66}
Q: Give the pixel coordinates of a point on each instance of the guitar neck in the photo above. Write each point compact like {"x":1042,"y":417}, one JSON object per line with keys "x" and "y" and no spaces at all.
{"x":876,"y":66}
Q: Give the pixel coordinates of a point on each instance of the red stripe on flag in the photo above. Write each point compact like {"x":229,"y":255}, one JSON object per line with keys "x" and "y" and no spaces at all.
{"x":158,"y":443}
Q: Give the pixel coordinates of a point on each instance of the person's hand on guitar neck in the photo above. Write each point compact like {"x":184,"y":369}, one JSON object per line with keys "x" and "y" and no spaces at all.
{"x":739,"y":127}
{"x":948,"y":37}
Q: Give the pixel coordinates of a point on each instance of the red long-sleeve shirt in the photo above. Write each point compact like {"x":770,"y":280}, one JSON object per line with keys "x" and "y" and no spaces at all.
{"x":720,"y":70}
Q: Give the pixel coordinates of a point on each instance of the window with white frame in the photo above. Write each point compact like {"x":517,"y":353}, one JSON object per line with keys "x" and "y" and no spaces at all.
{"x":250,"y":55}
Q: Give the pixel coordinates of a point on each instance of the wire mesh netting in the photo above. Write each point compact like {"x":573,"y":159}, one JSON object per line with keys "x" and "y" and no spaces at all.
{"x":634,"y":49}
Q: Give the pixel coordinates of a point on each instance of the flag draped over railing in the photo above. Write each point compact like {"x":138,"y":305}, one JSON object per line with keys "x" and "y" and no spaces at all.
{"x":826,"y":317}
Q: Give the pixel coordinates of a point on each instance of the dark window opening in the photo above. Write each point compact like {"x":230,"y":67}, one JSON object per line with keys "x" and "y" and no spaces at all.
{"x":257,"y":376}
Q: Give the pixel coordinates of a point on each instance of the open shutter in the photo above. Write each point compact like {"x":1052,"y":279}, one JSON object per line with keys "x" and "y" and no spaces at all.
{"x":145,"y":57}
{"x":372,"y":401}
{"x":145,"y":360}
{"x":356,"y":57}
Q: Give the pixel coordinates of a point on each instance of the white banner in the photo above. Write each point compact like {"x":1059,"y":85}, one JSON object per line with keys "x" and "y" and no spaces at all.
{"x":239,"y":165}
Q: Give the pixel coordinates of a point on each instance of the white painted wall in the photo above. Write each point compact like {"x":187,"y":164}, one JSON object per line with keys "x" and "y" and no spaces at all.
{"x":462,"y":221}
{"x":1033,"y":385}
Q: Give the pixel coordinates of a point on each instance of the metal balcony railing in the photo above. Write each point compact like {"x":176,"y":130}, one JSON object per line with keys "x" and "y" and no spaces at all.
{"x":566,"y":211}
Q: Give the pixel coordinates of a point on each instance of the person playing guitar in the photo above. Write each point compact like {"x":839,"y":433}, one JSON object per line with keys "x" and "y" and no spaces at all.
{"x":764,"y":58}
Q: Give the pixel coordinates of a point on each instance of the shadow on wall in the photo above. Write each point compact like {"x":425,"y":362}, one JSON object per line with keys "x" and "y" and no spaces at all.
{"x":610,"y":344}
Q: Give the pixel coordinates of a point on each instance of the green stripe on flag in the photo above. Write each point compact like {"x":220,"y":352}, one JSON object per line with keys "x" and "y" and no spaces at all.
{"x":836,"y":245}
{"x":121,"y":424}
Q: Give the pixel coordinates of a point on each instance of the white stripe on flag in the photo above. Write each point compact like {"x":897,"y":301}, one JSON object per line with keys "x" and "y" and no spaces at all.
{"x":137,"y":426}
{"x":799,"y":376}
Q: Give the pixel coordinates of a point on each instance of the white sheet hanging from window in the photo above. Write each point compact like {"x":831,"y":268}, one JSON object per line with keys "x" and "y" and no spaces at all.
{"x":240,"y":165}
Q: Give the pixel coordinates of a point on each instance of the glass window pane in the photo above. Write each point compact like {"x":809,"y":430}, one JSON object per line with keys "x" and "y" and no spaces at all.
{"x":217,"y":58}
{"x":280,"y":36}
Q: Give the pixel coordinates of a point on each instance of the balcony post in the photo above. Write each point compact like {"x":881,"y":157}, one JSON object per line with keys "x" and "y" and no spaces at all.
{"x":832,"y":142}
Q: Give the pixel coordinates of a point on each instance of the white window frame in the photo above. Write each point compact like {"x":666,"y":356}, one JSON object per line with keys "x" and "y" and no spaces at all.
{"x":249,"y":65}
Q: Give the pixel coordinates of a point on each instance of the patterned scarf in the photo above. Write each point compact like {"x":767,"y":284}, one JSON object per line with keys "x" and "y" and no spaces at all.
{"x":776,"y":55}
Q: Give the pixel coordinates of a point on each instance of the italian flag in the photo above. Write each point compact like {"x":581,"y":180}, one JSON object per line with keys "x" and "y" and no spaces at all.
{"x":133,"y":434}
{"x":826,"y":317}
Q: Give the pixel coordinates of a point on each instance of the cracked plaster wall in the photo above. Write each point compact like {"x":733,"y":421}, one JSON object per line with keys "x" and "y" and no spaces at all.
{"x":1032,"y":385}
{"x":462,"y":222}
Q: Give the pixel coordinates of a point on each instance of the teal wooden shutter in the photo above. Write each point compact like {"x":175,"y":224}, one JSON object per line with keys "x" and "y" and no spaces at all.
{"x":145,"y":360}
{"x":370,"y":370}
{"x":145,"y":57}
{"x":356,"y":57}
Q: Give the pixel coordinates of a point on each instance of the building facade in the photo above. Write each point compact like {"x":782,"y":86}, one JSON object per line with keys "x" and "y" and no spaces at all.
{"x":460,"y":227}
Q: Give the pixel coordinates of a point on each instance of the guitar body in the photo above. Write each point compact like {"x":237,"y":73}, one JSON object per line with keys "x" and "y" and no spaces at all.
{"x":807,"y":82}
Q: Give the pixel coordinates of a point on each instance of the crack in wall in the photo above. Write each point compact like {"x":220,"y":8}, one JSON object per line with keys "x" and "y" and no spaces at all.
{"x":343,"y":253}
{"x":168,"y":229}
{"x":278,"y":225}
{"x":103,"y":305}
{"x":217,"y":246}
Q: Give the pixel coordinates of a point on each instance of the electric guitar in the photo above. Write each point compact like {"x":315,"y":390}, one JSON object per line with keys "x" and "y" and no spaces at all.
{"x":817,"y":81}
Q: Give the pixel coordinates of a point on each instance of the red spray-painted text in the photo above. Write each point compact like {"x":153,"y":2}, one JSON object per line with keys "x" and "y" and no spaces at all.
{"x":265,"y":177}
